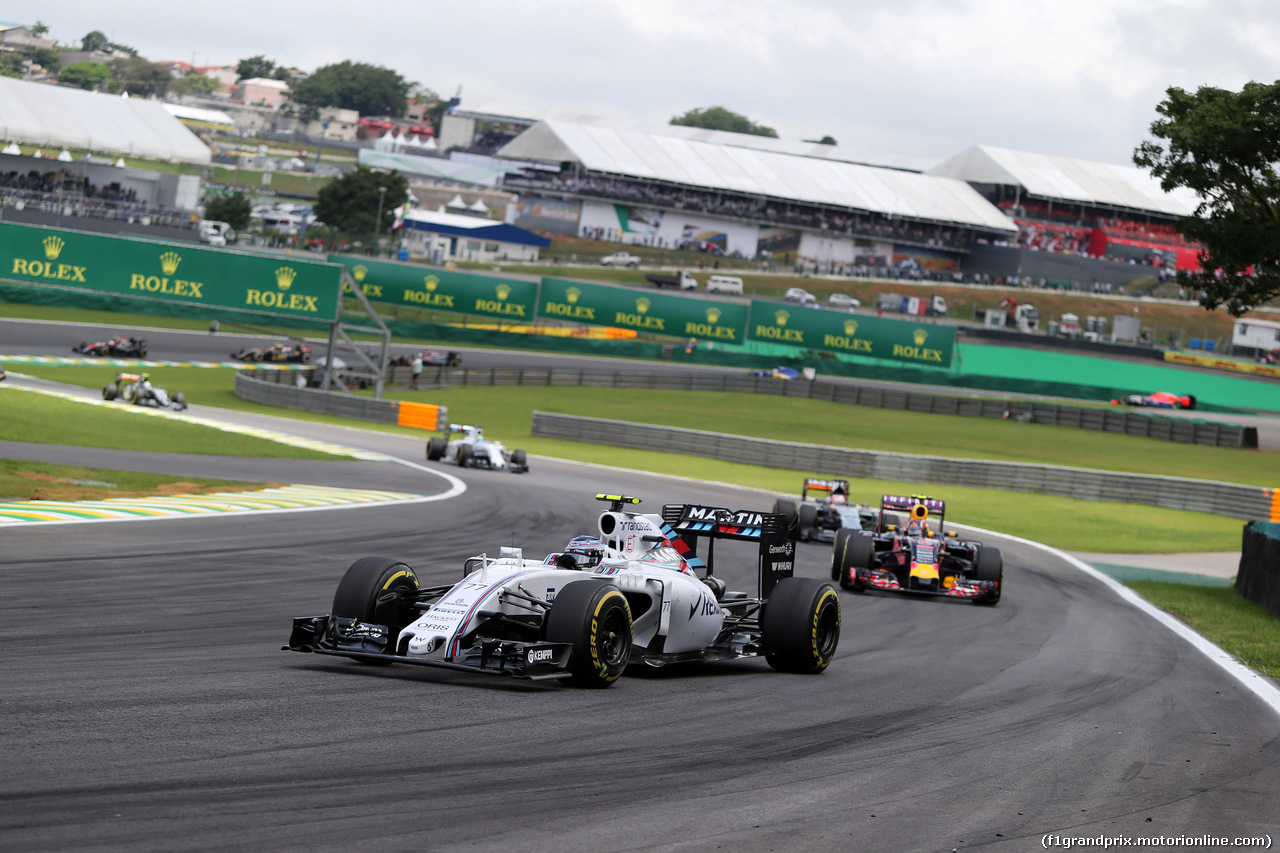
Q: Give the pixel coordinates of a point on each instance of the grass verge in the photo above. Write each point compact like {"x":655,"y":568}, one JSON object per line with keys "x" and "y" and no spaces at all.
{"x":1238,"y":626}
{"x":21,"y":480}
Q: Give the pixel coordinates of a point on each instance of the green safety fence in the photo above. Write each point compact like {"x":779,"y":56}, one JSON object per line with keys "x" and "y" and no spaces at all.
{"x":415,"y":286}
{"x":874,"y":337}
{"x":648,"y":313}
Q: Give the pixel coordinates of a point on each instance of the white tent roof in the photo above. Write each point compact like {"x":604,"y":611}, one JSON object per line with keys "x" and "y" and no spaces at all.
{"x":1066,"y":179}
{"x":480,"y":206}
{"x":785,"y":176}
{"x":56,"y":116}
{"x":456,"y":201}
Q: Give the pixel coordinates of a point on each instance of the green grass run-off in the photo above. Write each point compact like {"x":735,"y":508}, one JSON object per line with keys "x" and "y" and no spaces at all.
{"x":1240,"y":627}
{"x":506,"y":414}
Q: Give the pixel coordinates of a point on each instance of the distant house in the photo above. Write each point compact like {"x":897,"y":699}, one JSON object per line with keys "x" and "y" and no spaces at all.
{"x":442,"y":236}
{"x":263,"y":91}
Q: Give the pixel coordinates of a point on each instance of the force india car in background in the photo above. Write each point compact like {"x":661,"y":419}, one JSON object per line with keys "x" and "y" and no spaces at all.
{"x":824,"y":509}
{"x":275,"y":353}
{"x":136,"y":388}
{"x":632,"y":595}
{"x":917,"y":558}
{"x":118,"y":346}
{"x":473,"y":450}
{"x":1158,"y":400}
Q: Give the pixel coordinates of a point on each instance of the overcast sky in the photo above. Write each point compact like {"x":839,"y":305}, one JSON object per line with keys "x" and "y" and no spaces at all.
{"x":1079,"y":78}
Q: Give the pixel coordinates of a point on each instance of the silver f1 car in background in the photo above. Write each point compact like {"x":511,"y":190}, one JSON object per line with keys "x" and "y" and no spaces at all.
{"x":473,"y":450}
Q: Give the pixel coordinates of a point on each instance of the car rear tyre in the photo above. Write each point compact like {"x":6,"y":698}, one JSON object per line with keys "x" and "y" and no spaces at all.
{"x":378,"y":591}
{"x":988,"y":565}
{"x":801,"y":625}
{"x":179,"y":400}
{"x":595,"y":619}
{"x":436,"y":448}
{"x":142,"y":352}
{"x":808,"y":520}
{"x":788,"y":509}
{"x":465,"y":452}
{"x":109,"y":392}
{"x":837,"y":551}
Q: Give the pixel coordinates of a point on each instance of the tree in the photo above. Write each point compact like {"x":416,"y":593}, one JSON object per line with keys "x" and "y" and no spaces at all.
{"x":93,"y":76}
{"x":233,"y":209}
{"x":49,"y":60}
{"x":95,"y":40}
{"x":39,"y":28}
{"x":718,"y":118}
{"x":351,"y":202}
{"x":12,"y":65}
{"x":1224,"y":145}
{"x":826,"y":140}
{"x":254,"y":67}
{"x":140,"y":77}
{"x":193,"y":84}
{"x":367,"y":89}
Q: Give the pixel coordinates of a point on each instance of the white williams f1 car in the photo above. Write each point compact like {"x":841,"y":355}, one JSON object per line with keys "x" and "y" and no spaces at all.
{"x":473,"y":450}
{"x":631,"y":595}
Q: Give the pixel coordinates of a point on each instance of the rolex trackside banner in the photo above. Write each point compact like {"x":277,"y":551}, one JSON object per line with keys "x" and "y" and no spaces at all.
{"x":169,"y":272}
{"x":643,"y":311}
{"x":424,"y":287}
{"x":856,"y":334}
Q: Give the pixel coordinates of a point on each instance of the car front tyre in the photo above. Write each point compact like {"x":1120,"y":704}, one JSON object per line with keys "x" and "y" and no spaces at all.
{"x":595,"y":619}
{"x":988,"y":565}
{"x":378,"y":591}
{"x":435,"y":449}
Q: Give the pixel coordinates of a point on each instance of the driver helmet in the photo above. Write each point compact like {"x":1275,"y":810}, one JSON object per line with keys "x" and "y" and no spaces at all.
{"x":587,"y":550}
{"x":145,"y":378}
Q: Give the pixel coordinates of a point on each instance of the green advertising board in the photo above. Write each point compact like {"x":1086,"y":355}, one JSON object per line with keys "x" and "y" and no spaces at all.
{"x":170,"y":272}
{"x":445,"y":290}
{"x":855,"y":334}
{"x":653,"y":313}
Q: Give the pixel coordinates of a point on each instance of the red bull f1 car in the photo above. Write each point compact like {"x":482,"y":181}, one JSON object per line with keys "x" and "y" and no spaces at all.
{"x":637,"y":593}
{"x":824,"y":509}
{"x":919,"y":557}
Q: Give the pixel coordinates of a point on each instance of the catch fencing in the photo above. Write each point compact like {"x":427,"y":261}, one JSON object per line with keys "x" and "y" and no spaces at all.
{"x":1228,"y":499}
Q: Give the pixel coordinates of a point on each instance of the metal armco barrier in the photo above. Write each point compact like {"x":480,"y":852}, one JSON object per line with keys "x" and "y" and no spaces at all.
{"x":1229,"y":499}
{"x":279,"y":388}
{"x":1107,"y":420}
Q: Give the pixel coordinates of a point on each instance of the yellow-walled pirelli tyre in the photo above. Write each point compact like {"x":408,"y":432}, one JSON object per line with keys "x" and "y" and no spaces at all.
{"x":595,"y":619}
{"x":378,"y":591}
{"x":801,"y":625}
{"x":859,"y":552}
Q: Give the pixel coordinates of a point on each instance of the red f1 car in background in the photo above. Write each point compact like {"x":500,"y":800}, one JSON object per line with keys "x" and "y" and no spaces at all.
{"x":1158,"y":400}
{"x":917,"y":558}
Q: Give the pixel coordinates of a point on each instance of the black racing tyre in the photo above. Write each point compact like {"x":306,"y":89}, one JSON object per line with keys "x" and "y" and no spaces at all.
{"x":110,"y":392}
{"x":142,"y":351}
{"x":801,"y":625}
{"x":887,"y":519}
{"x":1191,"y":401}
{"x":436,"y":447}
{"x":366,"y":593}
{"x":788,"y":509}
{"x":837,"y":551}
{"x":988,"y":565}
{"x":859,"y":552}
{"x":595,"y":618}
{"x":179,"y":400}
{"x":465,"y":452}
{"x":519,"y":459}
{"x":808,"y":519}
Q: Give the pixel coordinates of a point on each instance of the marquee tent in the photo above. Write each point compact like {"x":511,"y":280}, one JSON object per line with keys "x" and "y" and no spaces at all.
{"x":60,"y":117}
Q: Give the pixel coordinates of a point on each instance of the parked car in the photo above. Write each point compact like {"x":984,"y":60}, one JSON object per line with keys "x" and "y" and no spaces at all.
{"x":620,"y":259}
{"x":800,"y":296}
{"x":843,"y":300}
{"x":724,"y":284}
{"x":683,"y":280}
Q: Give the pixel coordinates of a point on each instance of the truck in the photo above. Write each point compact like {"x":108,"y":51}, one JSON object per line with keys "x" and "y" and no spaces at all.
{"x":683,"y":280}
{"x":620,"y":259}
{"x":933,"y":306}
{"x":1069,"y":326}
{"x":1012,"y":314}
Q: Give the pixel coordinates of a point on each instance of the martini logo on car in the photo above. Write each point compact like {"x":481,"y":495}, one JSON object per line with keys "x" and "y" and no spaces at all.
{"x":278,"y":299}
{"x":53,"y":246}
{"x":709,"y":329}
{"x":779,"y":332}
{"x":570,"y":307}
{"x":430,"y":297}
{"x":500,"y":305}
{"x":169,"y":262}
{"x":640,"y":319}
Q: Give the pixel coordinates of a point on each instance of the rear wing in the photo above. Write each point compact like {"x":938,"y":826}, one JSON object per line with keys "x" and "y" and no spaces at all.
{"x":901,"y":503}
{"x":824,"y":488}
{"x":128,"y":377}
{"x":685,"y":523}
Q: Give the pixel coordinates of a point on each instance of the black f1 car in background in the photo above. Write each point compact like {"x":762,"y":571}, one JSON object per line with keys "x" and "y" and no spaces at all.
{"x":136,"y":388}
{"x":631,"y":595}
{"x":918,"y":558}
{"x":288,"y":353}
{"x":120,"y":347}
{"x":824,"y":509}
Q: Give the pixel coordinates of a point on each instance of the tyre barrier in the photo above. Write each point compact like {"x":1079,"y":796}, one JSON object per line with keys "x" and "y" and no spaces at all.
{"x":1259,"y":576}
{"x":1227,"y":499}
{"x":279,"y":388}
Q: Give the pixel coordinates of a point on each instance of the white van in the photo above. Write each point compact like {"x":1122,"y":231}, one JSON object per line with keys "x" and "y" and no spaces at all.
{"x":724,"y":284}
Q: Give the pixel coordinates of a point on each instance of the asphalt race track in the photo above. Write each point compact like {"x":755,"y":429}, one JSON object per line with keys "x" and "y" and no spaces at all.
{"x":146,"y":704}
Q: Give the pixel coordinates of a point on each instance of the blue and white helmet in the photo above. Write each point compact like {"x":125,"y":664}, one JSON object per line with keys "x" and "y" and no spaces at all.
{"x":587,"y":550}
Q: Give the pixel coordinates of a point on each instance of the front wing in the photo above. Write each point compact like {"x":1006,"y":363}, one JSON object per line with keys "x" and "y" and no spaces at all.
{"x":961,"y":587}
{"x":350,"y":638}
